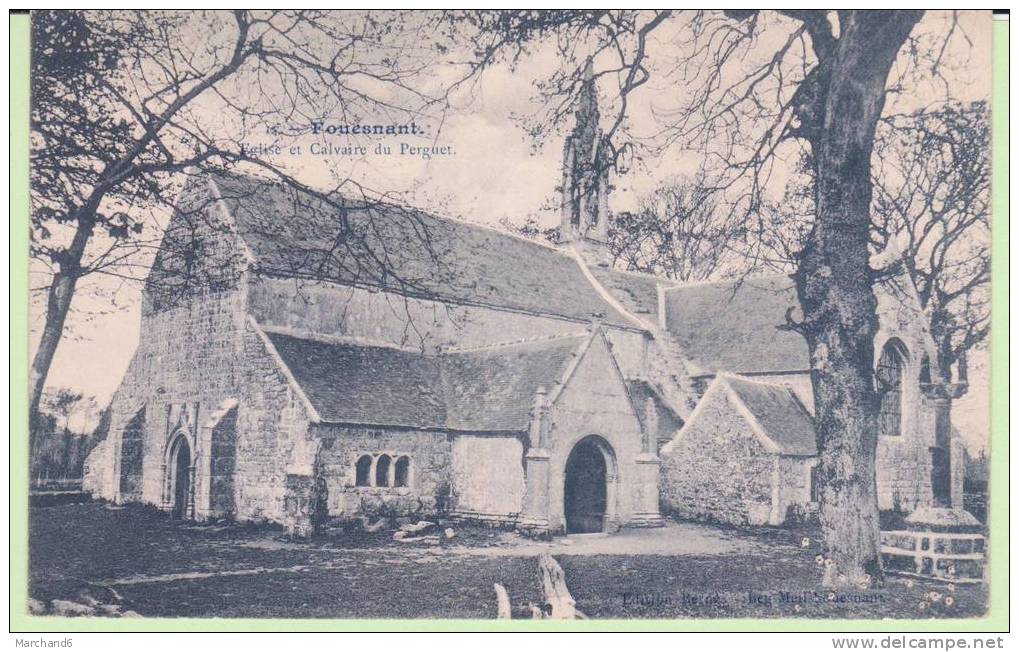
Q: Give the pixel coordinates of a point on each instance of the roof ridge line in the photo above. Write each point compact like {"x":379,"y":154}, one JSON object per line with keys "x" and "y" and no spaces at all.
{"x":682,"y":285}
{"x":509,"y":343}
{"x":747,"y":379}
{"x":326,"y":338}
{"x":651,"y":277}
{"x":495,"y":229}
{"x":607,"y":296}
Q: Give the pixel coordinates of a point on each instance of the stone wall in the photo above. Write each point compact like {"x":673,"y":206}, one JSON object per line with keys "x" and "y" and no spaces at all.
{"x":487,"y":477}
{"x":220,"y":438}
{"x":793,"y":490}
{"x":186,"y":356}
{"x":272,"y":417}
{"x":132,"y":456}
{"x":716,"y":469}
{"x":97,"y":472}
{"x":903,"y":473}
{"x":428,"y":486}
{"x":904,"y":462}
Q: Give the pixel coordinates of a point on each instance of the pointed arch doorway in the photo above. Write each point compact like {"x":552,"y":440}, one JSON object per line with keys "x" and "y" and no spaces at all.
{"x":180,"y":477}
{"x":588,"y":493}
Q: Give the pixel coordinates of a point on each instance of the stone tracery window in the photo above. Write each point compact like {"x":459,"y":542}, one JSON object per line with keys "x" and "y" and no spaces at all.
{"x":890,"y":370}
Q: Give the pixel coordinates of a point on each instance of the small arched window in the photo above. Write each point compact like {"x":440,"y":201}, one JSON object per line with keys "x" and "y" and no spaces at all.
{"x":382,"y":471}
{"x":402,"y":474}
{"x":890,"y":370}
{"x":925,"y":369}
{"x":363,"y":469}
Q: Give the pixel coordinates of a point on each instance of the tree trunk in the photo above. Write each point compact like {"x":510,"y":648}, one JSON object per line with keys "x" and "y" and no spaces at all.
{"x":58,"y":304}
{"x":834,"y":283}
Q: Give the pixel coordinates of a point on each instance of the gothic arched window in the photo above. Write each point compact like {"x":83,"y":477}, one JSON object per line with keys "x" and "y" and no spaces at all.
{"x":382,"y":471}
{"x":363,"y":471}
{"x":890,"y":370}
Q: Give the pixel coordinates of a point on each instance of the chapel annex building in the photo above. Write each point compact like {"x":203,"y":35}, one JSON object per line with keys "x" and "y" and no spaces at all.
{"x":288,"y":371}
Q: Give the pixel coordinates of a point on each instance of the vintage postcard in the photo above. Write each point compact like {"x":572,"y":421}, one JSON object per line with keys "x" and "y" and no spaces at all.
{"x":510,"y":315}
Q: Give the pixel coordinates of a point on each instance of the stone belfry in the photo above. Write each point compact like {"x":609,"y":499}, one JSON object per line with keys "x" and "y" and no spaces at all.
{"x":585,"y":186}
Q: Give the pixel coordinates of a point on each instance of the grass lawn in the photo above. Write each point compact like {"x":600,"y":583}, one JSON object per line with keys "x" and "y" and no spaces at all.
{"x":141,"y":560}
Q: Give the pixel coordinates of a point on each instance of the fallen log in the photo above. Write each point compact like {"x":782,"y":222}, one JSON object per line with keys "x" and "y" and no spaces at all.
{"x":377,"y":526}
{"x":420,"y":527}
{"x":502,"y":601}
{"x":559,"y":603}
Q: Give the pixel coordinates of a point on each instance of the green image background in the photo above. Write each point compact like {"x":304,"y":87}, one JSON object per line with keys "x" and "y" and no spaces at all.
{"x":998,"y":562}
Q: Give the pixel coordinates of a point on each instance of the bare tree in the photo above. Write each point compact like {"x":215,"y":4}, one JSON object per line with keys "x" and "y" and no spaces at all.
{"x":677,"y":232}
{"x":753,"y":89}
{"x":125,"y":105}
{"x":932,"y":191}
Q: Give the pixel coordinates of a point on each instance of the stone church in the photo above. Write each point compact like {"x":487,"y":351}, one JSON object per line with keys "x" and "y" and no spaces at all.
{"x":303,"y":359}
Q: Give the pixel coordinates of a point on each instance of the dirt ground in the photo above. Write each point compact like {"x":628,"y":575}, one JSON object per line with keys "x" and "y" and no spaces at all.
{"x":135,"y":560}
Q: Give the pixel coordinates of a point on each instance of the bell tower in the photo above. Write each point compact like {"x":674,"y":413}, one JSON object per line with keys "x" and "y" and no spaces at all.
{"x":585,"y":186}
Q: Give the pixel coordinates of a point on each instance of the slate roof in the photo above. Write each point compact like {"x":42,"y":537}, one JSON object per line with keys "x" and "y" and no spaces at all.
{"x":638,"y":293}
{"x":485,"y":390}
{"x":738,"y":326}
{"x":404,"y":250}
{"x":362,"y":384}
{"x":493,"y":389}
{"x":781,"y":415}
